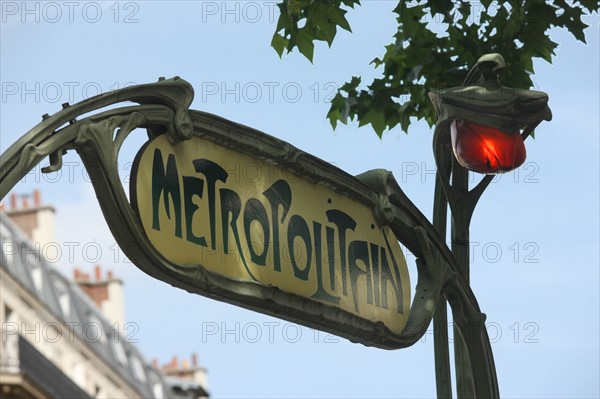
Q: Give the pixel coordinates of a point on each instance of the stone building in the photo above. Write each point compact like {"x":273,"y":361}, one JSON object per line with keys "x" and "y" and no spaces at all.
{"x":60,"y":338}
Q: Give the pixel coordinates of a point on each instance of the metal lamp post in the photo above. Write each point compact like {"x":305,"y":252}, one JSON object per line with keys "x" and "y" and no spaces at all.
{"x":484,"y":125}
{"x":363,"y":294}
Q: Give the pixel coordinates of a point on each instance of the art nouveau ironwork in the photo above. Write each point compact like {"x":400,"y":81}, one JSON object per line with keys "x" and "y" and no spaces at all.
{"x":163,"y":110}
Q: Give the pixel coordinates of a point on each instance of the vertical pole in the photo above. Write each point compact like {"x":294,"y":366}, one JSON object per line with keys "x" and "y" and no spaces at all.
{"x":443,"y":379}
{"x":461,"y":218}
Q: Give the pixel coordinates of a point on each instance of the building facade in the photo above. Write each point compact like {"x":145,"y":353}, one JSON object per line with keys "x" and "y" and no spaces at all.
{"x":64,"y":339}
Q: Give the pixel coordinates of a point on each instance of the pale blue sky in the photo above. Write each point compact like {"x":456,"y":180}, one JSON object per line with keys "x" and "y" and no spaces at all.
{"x":535,"y":232}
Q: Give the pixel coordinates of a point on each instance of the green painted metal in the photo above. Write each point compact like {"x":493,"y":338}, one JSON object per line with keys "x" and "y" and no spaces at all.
{"x":440,"y":318}
{"x":485,"y":101}
{"x":98,"y":138}
{"x":442,"y":273}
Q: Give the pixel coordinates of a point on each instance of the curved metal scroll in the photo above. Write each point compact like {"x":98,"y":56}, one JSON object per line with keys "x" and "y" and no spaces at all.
{"x":163,"y":109}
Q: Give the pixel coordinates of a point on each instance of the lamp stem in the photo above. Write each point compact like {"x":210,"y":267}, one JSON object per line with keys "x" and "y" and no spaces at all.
{"x":461,"y":219}
{"x":527,"y":132}
{"x":443,"y":379}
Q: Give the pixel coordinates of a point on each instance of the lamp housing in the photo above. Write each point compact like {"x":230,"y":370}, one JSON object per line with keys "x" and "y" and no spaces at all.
{"x":486,"y":122}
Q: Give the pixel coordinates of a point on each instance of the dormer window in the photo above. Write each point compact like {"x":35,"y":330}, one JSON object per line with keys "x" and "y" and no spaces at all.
{"x":118,"y":348}
{"x":138,"y":369}
{"x":36,"y":276}
{"x":64,"y":298}
{"x":93,"y":330}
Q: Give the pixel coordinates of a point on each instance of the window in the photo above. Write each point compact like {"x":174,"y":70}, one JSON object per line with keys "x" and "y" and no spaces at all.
{"x":138,"y":369}
{"x":157,"y":390}
{"x":64,"y":300}
{"x":36,"y":276}
{"x":78,"y":374}
{"x":8,"y":250}
{"x":93,"y":330}
{"x":118,"y":348}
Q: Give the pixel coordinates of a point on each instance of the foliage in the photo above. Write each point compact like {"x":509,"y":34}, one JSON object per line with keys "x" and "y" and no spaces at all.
{"x":420,"y":59}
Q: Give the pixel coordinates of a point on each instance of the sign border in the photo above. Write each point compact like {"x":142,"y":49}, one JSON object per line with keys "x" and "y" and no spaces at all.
{"x":270,"y":299}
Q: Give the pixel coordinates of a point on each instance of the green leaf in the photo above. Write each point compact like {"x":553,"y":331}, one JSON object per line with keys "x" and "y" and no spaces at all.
{"x":571,"y":19}
{"x":334,"y":116}
{"x":590,"y":5}
{"x":415,"y":73}
{"x":319,"y":13}
{"x":377,"y":120}
{"x":295,"y":7}
{"x":284,"y":20}
{"x":351,"y":3}
{"x":351,"y":86}
{"x":337,"y":16}
{"x":526,"y":62}
{"x":279,"y":43}
{"x":305,"y":44}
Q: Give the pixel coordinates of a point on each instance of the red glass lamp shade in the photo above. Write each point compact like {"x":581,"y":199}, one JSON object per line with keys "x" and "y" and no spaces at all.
{"x":484,"y":149}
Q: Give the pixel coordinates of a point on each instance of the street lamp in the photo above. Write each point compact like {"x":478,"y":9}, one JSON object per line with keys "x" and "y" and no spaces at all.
{"x":481,"y":127}
{"x":486,"y":118}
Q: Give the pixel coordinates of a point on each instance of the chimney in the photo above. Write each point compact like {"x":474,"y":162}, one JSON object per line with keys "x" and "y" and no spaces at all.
{"x":37,"y":198}
{"x":187,"y":372}
{"x":37,"y":222}
{"x":107,"y":293}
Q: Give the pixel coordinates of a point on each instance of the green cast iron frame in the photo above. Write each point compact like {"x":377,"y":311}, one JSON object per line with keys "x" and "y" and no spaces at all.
{"x":482,"y":100}
{"x":442,"y":273}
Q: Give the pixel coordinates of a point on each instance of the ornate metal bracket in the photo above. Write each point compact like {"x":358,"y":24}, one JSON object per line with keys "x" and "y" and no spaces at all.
{"x":50,"y":138}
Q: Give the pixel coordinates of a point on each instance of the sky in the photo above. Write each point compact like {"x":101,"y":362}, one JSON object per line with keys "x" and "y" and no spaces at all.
{"x":535,"y":232}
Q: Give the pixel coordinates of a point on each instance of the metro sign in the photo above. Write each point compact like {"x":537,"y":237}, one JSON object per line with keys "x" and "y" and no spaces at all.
{"x":204,"y":205}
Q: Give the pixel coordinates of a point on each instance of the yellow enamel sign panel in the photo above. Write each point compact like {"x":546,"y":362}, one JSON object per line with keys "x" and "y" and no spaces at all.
{"x":248,"y":220}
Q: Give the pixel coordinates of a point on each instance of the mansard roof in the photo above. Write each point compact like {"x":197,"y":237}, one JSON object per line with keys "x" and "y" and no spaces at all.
{"x":71,"y":305}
